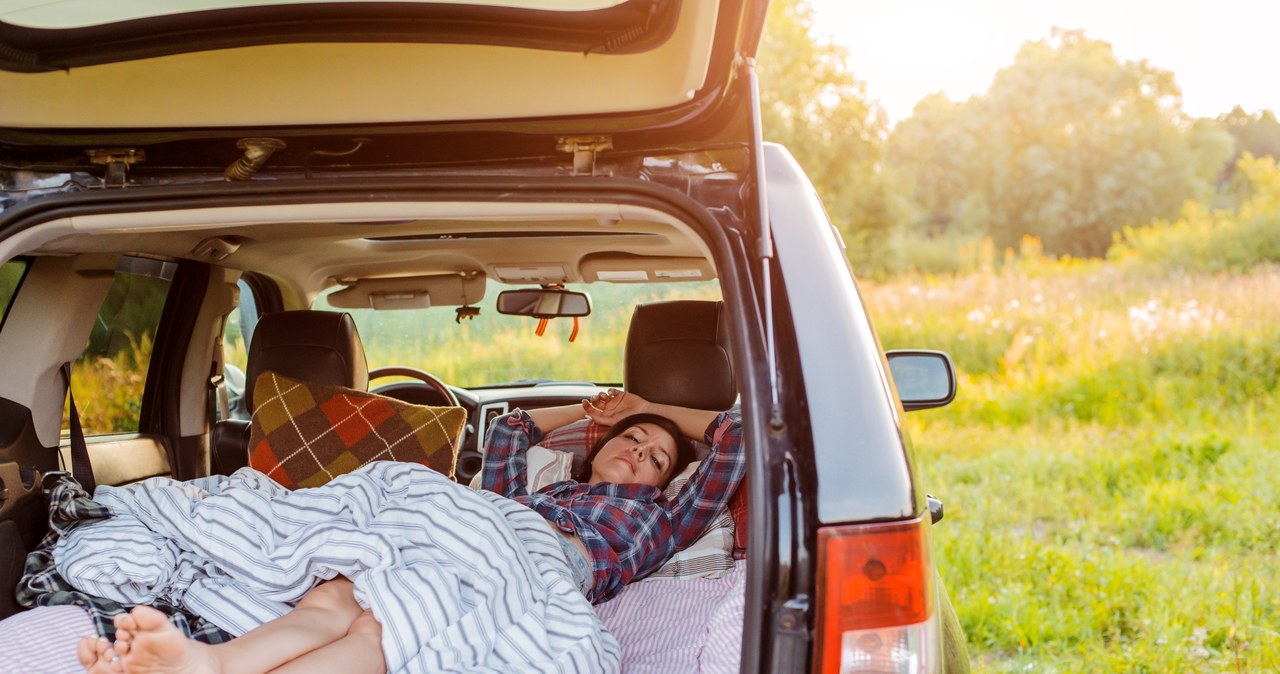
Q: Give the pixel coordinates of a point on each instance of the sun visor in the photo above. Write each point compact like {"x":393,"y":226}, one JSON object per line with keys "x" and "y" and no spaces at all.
{"x":640,"y":269}
{"x":414,"y":292}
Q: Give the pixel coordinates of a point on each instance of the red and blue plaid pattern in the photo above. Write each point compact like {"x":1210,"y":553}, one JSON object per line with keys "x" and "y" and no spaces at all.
{"x":630,"y":530}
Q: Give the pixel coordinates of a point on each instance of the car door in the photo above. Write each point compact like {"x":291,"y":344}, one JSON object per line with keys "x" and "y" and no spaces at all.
{"x":119,"y":327}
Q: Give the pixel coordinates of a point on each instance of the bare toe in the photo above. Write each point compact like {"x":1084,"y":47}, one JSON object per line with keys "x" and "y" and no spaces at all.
{"x":125,"y":621}
{"x":85,"y":651}
{"x":97,"y":657}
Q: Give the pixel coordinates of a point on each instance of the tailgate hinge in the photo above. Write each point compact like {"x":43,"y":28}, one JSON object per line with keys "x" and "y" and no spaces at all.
{"x":117,"y":161}
{"x":584,"y":149}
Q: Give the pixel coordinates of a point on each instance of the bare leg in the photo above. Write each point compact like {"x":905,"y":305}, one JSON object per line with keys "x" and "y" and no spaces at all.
{"x":359,"y":652}
{"x":147,"y":642}
{"x":97,"y":656}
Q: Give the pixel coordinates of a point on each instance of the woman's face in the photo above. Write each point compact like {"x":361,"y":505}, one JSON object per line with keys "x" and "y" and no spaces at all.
{"x":643,"y":454}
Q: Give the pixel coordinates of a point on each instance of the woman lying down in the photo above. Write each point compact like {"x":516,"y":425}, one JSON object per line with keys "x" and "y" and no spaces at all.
{"x":394,"y":567}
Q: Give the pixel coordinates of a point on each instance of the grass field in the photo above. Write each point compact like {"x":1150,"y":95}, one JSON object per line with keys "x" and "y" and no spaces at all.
{"x":1108,"y":467}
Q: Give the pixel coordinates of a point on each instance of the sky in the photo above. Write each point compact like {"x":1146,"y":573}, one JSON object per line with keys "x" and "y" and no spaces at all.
{"x":1222,"y":53}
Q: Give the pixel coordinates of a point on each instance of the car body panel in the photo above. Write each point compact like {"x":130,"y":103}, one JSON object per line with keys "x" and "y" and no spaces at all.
{"x":851,"y":404}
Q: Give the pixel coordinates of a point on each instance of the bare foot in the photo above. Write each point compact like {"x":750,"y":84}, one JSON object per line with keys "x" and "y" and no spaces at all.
{"x":96,"y":655}
{"x":147,"y":642}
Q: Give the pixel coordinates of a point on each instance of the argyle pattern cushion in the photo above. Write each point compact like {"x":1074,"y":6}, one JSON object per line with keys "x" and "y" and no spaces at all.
{"x":304,"y":434}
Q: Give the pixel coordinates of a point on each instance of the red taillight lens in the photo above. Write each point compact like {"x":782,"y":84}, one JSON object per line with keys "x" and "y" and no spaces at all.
{"x":875,"y":598}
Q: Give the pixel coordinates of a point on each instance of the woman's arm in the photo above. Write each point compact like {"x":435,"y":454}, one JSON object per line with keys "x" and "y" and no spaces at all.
{"x":550,"y":418}
{"x":509,"y":438}
{"x":505,"y":443}
{"x":612,"y":406}
{"x":713,"y":483}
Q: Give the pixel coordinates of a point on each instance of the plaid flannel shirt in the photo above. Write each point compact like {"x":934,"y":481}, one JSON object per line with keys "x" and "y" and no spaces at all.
{"x":41,"y":585}
{"x":630,"y":530}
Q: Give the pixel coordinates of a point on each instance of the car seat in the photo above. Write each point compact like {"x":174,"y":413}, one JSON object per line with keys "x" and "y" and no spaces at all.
{"x":677,"y":353}
{"x":317,"y":346}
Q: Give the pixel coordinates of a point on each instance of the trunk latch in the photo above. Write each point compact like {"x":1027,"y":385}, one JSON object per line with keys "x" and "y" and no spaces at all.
{"x":117,"y":161}
{"x":584,"y":149}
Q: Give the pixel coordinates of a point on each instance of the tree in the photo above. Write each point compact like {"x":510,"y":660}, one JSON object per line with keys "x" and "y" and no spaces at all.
{"x":1257,"y":133}
{"x":813,"y":105}
{"x":1070,"y":144}
{"x":932,"y":153}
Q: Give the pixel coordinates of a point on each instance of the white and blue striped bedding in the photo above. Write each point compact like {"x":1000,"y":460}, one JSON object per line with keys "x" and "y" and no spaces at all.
{"x":460,"y":580}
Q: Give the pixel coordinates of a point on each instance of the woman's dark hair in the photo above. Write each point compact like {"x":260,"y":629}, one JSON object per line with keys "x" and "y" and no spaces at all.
{"x":684,"y":447}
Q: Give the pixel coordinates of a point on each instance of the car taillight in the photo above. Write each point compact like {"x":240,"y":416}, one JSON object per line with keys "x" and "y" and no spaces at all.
{"x":876,"y":606}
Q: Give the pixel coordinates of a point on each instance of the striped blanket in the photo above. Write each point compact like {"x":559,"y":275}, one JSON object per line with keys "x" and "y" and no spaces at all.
{"x":460,"y":580}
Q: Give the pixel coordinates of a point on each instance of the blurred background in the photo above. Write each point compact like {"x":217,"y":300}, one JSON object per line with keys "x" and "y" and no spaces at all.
{"x":1081,"y":204}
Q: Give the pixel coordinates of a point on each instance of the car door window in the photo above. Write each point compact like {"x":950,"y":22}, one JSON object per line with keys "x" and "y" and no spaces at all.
{"x":11,"y":274}
{"x":109,"y":377}
{"x":235,"y":350}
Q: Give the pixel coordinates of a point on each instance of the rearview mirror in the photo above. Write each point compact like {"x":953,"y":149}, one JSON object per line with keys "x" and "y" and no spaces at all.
{"x":924,"y":379}
{"x":544,"y":303}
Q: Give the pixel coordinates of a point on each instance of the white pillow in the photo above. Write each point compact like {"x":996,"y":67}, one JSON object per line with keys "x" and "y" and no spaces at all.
{"x":711,"y":556}
{"x":544,"y":467}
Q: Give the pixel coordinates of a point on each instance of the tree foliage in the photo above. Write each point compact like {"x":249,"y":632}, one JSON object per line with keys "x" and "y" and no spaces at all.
{"x":1070,"y":144}
{"x":812,"y":104}
{"x":1256,"y":133}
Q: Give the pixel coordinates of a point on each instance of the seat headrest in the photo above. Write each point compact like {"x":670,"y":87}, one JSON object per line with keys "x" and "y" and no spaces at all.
{"x":316,"y":346}
{"x":678,"y":354}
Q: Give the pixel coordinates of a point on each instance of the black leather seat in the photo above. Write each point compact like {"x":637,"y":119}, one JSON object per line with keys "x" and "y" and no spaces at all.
{"x":678,"y":354}
{"x":317,"y":346}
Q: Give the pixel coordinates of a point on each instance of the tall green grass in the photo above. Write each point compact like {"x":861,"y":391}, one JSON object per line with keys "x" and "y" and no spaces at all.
{"x":108,"y":389}
{"x":1108,"y":465}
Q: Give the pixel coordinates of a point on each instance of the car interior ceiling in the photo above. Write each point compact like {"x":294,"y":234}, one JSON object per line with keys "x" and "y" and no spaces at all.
{"x":305,"y":250}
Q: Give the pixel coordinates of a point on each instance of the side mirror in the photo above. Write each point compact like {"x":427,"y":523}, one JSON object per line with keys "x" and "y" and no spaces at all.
{"x":924,"y":379}
{"x":544,"y":303}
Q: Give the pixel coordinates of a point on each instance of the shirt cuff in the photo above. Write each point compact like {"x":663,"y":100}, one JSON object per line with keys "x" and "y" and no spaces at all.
{"x":521,"y":419}
{"x":721,"y":425}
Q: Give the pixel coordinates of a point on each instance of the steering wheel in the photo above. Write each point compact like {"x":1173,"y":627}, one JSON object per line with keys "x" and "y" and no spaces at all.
{"x":427,"y":378}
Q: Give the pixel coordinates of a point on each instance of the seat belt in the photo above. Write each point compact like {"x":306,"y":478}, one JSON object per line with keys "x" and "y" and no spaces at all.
{"x":81,"y":468}
{"x":218,"y":394}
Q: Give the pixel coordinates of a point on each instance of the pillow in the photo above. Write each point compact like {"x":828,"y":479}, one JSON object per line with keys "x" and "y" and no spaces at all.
{"x":543,"y":466}
{"x":711,"y":556}
{"x":304,"y":434}
{"x":576,"y":438}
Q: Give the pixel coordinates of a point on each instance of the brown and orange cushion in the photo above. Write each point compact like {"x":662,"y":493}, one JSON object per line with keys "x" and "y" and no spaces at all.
{"x":304,"y":434}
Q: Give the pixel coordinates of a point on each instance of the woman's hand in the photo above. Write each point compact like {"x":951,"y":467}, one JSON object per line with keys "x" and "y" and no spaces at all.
{"x":612,"y":406}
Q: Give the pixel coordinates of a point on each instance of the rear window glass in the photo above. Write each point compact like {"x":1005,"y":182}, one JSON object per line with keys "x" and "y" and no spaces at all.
{"x":11,"y":274}
{"x":109,"y":377}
